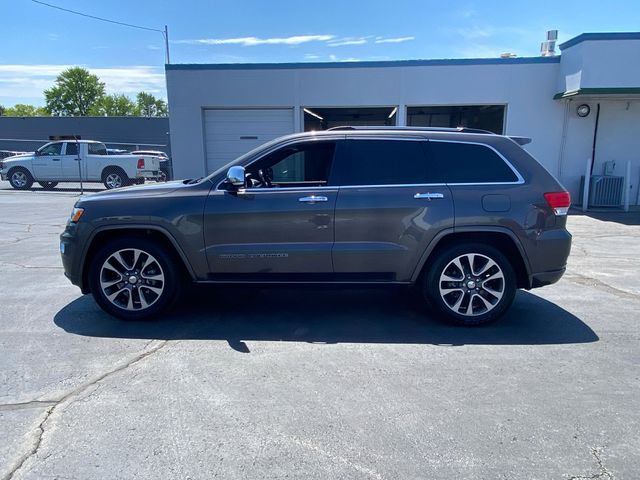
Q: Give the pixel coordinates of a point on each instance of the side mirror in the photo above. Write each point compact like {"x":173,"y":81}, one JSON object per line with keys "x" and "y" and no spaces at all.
{"x":36,"y":153}
{"x":235,"y":176}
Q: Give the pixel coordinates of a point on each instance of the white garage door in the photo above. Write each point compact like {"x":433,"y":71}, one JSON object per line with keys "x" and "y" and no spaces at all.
{"x":231,"y":133}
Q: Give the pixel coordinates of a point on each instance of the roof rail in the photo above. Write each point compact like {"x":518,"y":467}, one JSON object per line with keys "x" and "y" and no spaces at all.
{"x":425,"y":129}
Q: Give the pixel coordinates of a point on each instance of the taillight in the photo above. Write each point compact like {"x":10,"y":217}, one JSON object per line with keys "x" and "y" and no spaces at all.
{"x":140,"y":163}
{"x":559,"y":201}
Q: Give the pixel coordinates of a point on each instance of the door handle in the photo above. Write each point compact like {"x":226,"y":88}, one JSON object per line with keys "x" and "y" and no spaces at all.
{"x":55,"y":159}
{"x":428,"y":195}
{"x":313,"y":199}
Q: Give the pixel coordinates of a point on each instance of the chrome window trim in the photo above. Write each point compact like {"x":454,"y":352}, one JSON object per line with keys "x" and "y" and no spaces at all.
{"x":520,"y":179}
{"x":285,"y":190}
{"x":395,"y":185}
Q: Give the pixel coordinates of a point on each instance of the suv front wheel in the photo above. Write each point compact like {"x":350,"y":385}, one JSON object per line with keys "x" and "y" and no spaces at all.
{"x":470,"y":284}
{"x":133,"y":278}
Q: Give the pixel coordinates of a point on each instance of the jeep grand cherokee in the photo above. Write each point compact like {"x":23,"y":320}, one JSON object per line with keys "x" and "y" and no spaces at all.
{"x":467,"y":217}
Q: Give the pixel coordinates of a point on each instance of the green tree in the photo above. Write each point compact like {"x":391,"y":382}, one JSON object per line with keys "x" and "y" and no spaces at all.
{"x":74,"y":93}
{"x":3,"y":110}
{"x":24,"y":110}
{"x":150,"y":106}
{"x":114,"y":106}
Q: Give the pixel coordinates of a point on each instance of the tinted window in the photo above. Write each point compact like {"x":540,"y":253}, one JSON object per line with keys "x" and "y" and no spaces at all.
{"x":381,"y":162}
{"x":486,"y":117}
{"x":301,"y":164}
{"x":97,"y":149}
{"x":51,"y":149}
{"x":72,"y":149}
{"x":469,"y":163}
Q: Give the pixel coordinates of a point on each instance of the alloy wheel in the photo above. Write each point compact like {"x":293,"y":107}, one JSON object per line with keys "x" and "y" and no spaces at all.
{"x":113,"y":180}
{"x":132,"y":279}
{"x":19,"y":179}
{"x":472,"y":284}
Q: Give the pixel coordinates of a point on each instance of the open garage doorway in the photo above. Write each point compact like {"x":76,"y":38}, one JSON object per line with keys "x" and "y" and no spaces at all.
{"x":486,"y":117}
{"x":322,"y":118}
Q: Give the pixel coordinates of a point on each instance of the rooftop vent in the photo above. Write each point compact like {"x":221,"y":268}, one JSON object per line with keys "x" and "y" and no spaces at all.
{"x":508,"y":55}
{"x":548,"y":47}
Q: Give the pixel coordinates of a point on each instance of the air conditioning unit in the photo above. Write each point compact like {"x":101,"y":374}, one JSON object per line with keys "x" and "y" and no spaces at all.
{"x":604,"y":190}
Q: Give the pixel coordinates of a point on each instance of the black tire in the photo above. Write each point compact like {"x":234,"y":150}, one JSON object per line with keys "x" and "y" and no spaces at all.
{"x":127,"y":296}
{"x":473,"y":297}
{"x":114,"y":177}
{"x":48,"y":185}
{"x":20,"y":178}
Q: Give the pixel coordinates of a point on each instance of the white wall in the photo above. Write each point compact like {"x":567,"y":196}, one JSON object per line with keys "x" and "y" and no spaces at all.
{"x":618,"y":140}
{"x":527,"y":90}
{"x":600,"y":64}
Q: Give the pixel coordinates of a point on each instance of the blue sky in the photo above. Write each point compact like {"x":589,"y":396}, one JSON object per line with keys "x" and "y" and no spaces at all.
{"x":38,"y":42}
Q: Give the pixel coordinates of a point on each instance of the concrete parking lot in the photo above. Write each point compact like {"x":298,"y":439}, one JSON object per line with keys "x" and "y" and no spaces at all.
{"x":316,"y":384}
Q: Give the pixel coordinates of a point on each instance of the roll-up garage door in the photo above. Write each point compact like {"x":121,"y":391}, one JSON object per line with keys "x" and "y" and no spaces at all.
{"x":230,"y":133}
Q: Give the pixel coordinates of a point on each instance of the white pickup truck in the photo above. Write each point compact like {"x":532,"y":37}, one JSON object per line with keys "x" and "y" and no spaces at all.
{"x":65,"y":161}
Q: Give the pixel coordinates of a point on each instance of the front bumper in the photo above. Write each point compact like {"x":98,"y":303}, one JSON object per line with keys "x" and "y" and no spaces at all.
{"x":4,"y":176}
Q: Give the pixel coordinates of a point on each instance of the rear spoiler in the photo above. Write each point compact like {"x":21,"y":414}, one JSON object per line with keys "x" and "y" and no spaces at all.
{"x":521,"y":140}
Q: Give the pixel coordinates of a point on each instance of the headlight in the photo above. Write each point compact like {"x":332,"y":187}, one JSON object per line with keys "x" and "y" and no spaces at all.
{"x":76,"y":213}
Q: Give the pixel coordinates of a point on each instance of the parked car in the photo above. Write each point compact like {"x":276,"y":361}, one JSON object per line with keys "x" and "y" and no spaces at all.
{"x":58,"y":162}
{"x":10,"y":153}
{"x":164,"y":161}
{"x":117,"y":151}
{"x":467,"y":218}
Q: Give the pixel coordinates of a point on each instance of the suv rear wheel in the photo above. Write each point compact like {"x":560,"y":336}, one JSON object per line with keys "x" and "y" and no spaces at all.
{"x":470,"y":284}
{"x":133,"y":278}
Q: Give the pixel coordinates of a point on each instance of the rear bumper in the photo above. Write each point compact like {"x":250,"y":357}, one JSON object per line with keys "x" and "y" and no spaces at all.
{"x":549,"y":257}
{"x":152,"y":174}
{"x":546,"y":278}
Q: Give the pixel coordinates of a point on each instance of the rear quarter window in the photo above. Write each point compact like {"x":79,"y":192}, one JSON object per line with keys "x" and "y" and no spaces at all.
{"x":469,"y":163}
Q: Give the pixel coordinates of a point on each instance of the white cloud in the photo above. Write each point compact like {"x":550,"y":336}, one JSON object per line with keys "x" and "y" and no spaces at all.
{"x":394,"y":40}
{"x":311,"y":56}
{"x":21,"y":82}
{"x":335,"y":58}
{"x":253,"y":41}
{"x":340,"y":42}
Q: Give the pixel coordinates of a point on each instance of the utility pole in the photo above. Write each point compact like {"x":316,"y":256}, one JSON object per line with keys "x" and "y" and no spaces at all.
{"x":166,"y":43}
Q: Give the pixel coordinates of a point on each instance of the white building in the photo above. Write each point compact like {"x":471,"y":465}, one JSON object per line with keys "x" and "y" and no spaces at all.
{"x":221,"y":111}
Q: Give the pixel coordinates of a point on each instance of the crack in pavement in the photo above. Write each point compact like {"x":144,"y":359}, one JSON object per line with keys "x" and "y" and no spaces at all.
{"x":13,"y":264}
{"x":599,"y":284}
{"x":6,"y":407}
{"x":603,"y":473}
{"x":66,"y":399}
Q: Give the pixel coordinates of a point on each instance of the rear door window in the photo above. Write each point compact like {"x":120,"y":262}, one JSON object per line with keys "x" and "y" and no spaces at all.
{"x":381,"y":162}
{"x":469,"y":163}
{"x":71,"y":149}
{"x":97,"y":149}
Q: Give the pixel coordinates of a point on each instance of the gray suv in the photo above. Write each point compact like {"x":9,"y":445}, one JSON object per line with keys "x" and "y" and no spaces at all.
{"x":467,"y":217}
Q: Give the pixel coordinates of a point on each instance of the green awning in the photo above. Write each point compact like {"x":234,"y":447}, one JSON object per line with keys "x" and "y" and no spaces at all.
{"x":598,"y":91}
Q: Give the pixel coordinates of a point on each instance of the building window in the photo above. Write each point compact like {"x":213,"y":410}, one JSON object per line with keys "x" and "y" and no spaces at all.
{"x":486,"y":117}
{"x":321,"y":118}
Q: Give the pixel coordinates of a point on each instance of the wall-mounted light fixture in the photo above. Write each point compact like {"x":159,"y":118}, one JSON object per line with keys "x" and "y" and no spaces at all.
{"x":393,"y":112}
{"x":583,"y":110}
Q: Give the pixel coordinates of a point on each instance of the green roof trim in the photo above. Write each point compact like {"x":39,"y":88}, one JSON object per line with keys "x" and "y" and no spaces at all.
{"x":598,"y":91}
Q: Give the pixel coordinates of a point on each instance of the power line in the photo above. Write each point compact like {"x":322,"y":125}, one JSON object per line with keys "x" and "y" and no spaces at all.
{"x":164,"y":32}
{"x":98,"y":18}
